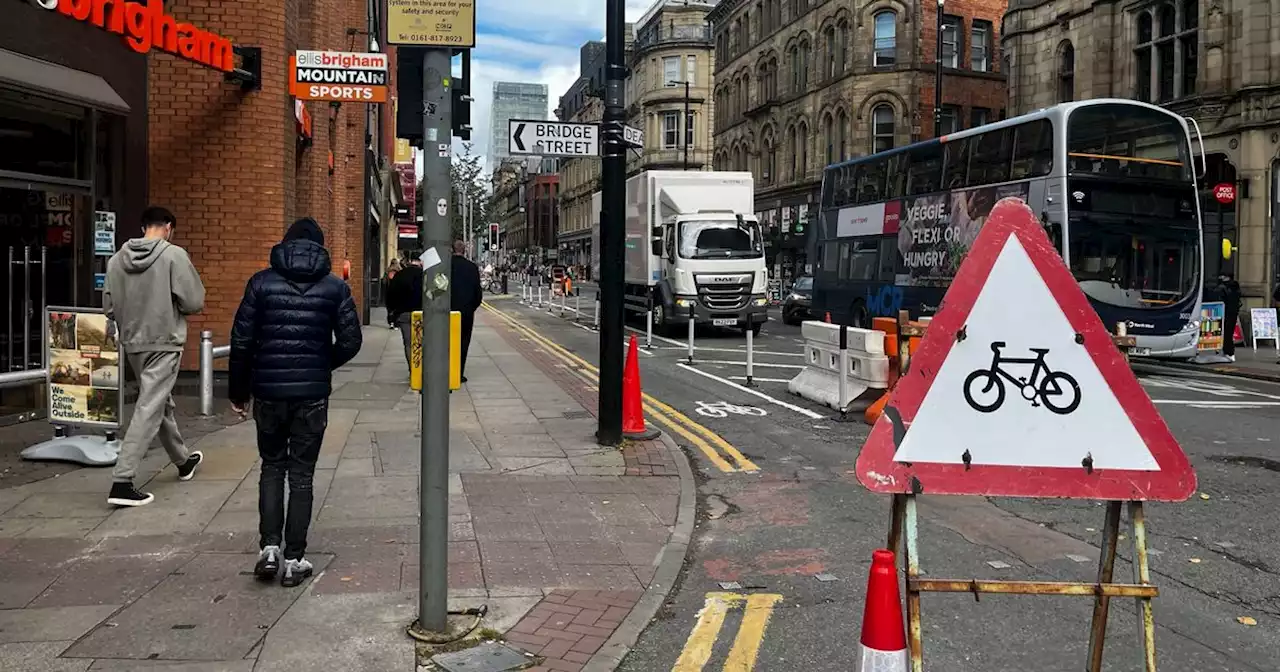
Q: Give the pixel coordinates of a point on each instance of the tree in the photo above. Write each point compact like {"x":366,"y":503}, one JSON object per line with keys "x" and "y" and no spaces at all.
{"x":466,"y":176}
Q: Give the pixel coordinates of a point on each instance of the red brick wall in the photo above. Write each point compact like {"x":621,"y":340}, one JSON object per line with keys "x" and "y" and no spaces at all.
{"x":227,"y":163}
{"x":962,"y":87}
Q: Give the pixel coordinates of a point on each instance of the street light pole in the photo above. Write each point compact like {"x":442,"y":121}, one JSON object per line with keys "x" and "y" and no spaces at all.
{"x":613,"y":179}
{"x":937,"y":76}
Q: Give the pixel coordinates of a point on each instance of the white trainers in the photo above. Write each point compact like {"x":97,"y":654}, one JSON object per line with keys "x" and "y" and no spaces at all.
{"x":268,"y":563}
{"x":295,"y":572}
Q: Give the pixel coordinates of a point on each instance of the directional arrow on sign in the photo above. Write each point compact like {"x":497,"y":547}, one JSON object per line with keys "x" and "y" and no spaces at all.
{"x":516,"y":137}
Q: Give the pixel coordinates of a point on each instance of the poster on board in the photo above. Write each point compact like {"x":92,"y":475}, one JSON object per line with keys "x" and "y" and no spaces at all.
{"x":84,"y":368}
{"x":936,"y":231}
{"x":104,"y":233}
{"x":1262,"y":322}
{"x":1211,"y":319}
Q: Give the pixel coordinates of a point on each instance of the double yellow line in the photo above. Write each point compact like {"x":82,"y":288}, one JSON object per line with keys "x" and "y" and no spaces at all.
{"x":756,"y":611}
{"x":718,"y":451}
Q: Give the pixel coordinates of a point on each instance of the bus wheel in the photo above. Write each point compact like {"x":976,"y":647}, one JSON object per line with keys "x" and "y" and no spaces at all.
{"x":861,"y":318}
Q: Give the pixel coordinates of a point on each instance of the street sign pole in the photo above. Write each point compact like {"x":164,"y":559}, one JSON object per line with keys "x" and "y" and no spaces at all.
{"x":433,"y":549}
{"x":613,"y":192}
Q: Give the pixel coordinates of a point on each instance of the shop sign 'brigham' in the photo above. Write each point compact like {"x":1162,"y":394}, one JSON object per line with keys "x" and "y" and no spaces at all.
{"x":553,"y":138}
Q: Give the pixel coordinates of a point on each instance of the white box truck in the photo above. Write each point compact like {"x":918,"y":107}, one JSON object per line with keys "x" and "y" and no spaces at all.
{"x":694,"y":247}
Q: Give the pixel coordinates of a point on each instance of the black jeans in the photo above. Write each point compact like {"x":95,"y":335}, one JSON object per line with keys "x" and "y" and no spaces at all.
{"x":1229,"y":331}
{"x":289,"y":438}
{"x":468,"y":324}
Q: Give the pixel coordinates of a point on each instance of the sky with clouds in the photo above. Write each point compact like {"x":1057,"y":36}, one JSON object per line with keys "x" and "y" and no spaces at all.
{"x":529,"y":41}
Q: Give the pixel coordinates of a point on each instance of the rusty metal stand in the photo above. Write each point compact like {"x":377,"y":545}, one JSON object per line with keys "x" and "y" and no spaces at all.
{"x":904,"y":537}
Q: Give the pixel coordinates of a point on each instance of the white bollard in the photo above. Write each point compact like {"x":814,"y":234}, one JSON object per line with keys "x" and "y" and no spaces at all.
{"x":842,"y":389}
{"x":539,"y":303}
{"x":577,"y":306}
{"x":648,"y":328}
{"x":595,"y":319}
{"x":693,"y":322}
{"x":750,"y":355}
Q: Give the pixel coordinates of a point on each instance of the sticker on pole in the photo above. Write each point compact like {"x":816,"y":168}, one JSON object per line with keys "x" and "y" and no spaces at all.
{"x":1018,"y":390}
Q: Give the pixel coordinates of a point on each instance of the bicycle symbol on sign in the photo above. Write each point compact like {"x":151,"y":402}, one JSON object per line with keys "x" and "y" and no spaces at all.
{"x":723,"y":409}
{"x":1048,"y":390}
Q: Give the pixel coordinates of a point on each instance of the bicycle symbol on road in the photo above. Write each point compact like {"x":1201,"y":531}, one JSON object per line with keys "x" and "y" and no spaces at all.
{"x":1058,"y":391}
{"x":723,"y":409}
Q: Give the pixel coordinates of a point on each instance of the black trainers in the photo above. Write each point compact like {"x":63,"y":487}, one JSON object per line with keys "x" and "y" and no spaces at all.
{"x":295,"y":572}
{"x":268,"y":563}
{"x":188,"y":469}
{"x":124,"y":494}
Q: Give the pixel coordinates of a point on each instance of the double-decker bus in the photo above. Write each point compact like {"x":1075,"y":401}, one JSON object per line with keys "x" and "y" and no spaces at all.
{"x":1112,"y":181}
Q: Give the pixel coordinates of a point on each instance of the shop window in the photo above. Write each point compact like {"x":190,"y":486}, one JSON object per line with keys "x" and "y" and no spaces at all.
{"x":43,"y":137}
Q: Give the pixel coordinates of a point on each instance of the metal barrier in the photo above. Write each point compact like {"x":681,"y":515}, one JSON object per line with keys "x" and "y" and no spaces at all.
{"x":842,"y":364}
{"x":23,"y":378}
{"x":208,"y":353}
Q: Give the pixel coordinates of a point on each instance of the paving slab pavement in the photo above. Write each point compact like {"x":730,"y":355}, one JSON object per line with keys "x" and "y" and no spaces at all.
{"x":542,"y":520}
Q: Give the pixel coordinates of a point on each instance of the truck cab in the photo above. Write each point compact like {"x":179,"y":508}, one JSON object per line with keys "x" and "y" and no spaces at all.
{"x":712,"y":267}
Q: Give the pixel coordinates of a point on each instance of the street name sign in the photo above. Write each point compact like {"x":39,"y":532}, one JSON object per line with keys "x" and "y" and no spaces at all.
{"x":553,"y":138}
{"x":1018,"y":389}
{"x":633,"y":137}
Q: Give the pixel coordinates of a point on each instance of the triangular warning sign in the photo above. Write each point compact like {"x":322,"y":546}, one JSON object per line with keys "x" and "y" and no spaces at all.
{"x":1018,"y":390}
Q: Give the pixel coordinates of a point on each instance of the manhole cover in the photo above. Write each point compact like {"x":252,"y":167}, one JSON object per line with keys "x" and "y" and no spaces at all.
{"x":577,"y":415}
{"x":488,"y":657}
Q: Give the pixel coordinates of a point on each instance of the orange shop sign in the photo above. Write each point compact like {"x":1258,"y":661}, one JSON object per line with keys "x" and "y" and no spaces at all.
{"x":339,"y":76}
{"x":146,"y":26}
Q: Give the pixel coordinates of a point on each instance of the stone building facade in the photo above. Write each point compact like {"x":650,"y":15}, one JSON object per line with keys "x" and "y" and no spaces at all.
{"x":1213,"y":60}
{"x":802,"y":84}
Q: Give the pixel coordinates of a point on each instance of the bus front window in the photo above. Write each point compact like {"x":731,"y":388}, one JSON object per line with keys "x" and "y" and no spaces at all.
{"x":1127,"y":141}
{"x":1142,"y":266}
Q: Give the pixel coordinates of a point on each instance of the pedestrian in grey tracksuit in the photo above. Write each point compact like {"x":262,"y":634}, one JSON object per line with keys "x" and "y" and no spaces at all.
{"x":151,"y":288}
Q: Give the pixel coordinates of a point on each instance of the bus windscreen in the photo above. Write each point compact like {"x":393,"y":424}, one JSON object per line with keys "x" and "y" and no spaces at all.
{"x":1127,"y":141}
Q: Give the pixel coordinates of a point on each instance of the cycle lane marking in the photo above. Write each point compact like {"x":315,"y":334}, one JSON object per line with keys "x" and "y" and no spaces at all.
{"x":777,"y":402}
{"x":723,"y":409}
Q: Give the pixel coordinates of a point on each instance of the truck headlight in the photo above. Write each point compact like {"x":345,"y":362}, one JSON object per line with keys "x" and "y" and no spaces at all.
{"x":684,"y":303}
{"x":761,"y":301}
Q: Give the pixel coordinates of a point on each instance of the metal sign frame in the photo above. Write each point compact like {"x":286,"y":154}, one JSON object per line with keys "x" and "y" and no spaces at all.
{"x":49,"y":365}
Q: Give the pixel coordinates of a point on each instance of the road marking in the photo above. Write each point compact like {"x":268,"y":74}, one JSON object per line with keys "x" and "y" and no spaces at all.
{"x":743,"y":363}
{"x":757,"y":379}
{"x":1214,"y":403}
{"x":802,"y":411}
{"x":662,"y":413}
{"x":736,"y":351}
{"x":723,"y":409}
{"x":757,"y":610}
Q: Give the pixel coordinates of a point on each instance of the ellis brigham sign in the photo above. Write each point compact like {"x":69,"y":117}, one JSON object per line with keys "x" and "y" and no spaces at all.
{"x":146,"y":26}
{"x":553,"y":138}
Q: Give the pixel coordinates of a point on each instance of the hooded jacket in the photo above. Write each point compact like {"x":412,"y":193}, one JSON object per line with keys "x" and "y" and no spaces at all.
{"x":151,"y":288}
{"x":295,"y":325}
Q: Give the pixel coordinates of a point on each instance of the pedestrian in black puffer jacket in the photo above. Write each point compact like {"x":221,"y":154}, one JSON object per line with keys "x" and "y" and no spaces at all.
{"x":296,"y":324}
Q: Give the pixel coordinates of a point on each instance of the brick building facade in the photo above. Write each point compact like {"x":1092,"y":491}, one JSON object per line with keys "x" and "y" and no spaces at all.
{"x":802,"y":84}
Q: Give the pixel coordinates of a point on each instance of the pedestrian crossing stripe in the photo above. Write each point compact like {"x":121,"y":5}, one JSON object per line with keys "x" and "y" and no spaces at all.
{"x":756,"y":610}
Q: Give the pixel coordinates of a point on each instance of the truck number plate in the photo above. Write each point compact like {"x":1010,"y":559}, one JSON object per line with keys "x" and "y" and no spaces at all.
{"x":1140,"y":352}
{"x":725,"y":322}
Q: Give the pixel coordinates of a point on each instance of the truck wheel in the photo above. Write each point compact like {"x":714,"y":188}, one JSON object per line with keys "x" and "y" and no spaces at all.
{"x":659,"y":319}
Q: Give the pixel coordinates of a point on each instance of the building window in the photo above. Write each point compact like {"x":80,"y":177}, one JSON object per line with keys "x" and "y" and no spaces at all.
{"x":842,"y":55}
{"x":951,"y":27}
{"x":1167,"y":57}
{"x":882,"y":128}
{"x":842,"y":131}
{"x":670,"y":130}
{"x":670,"y":70}
{"x":829,"y":51}
{"x":948,"y":120}
{"x":979,"y":116}
{"x":769,"y":162}
{"x":980,"y":46}
{"x":1067,"y":73}
{"x":886,"y":41}
{"x":799,"y":151}
{"x":829,"y":138}
{"x":688,"y":130}
{"x":691,"y":69}
{"x":806,"y":53}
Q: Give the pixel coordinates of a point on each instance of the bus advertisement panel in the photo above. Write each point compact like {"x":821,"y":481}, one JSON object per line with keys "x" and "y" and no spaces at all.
{"x":936,"y":231}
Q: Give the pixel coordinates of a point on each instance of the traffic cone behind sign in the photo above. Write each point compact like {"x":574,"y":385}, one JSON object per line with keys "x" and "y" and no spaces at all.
{"x":884,"y":641}
{"x":633,"y":426}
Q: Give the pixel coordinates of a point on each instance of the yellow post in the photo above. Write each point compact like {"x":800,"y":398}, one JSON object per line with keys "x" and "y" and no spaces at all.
{"x":415,"y":350}
{"x":455,"y":351}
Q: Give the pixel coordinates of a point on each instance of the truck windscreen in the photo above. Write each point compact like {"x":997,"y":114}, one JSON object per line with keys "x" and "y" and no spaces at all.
{"x":715,"y":239}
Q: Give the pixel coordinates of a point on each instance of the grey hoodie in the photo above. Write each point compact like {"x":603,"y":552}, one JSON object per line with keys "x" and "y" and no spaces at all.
{"x":151,"y":289}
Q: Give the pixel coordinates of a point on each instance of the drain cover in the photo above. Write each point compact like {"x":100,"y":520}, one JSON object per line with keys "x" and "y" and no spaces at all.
{"x":577,"y":415}
{"x":488,"y":657}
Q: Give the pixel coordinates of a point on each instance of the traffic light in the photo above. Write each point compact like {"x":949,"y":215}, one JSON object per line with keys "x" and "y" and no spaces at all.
{"x":493,"y":235}
{"x":461,"y":99}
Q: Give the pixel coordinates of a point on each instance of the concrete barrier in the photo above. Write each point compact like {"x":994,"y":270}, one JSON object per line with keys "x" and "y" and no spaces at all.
{"x":863,"y":362}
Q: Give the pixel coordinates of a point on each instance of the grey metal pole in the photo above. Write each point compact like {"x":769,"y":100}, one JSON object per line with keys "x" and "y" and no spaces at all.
{"x":595,"y":319}
{"x":693,"y":323}
{"x":26,"y":307}
{"x":433,"y":538}
{"x":751,"y":347}
{"x":206,"y":372}
{"x":613,"y":187}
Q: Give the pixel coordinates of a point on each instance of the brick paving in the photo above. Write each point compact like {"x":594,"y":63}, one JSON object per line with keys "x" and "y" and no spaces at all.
{"x":642,"y":458}
{"x":568,"y":626}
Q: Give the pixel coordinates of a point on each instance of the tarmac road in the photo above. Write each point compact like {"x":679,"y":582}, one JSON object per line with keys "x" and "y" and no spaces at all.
{"x":782,"y":552}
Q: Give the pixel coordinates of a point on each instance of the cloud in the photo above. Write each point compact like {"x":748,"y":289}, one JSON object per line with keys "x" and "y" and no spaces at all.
{"x":523,"y":41}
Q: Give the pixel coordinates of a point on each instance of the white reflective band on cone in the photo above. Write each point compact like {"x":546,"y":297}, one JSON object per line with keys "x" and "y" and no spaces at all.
{"x":883,"y":661}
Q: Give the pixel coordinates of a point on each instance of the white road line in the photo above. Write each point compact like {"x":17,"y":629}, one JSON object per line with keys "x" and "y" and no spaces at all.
{"x":762,"y":380}
{"x":1217,"y":403}
{"x":736,"y":351}
{"x":802,"y":411}
{"x":743,"y":363}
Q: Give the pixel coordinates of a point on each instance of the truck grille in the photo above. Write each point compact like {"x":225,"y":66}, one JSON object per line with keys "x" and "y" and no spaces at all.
{"x":724,"y":292}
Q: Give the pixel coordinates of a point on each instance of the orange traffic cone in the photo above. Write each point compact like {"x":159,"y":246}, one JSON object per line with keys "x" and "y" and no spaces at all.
{"x":633,"y":426}
{"x":884,"y":641}
{"x":876,"y":409}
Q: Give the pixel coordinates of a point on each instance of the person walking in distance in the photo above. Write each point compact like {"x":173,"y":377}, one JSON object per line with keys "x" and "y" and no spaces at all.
{"x":1229,"y":292}
{"x":151,"y":288}
{"x":404,"y":295}
{"x":296,"y":323}
{"x":466,"y":295}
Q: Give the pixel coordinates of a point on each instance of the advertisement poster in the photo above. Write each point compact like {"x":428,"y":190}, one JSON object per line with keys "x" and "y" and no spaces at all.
{"x":1263,"y":326}
{"x":1211,"y":318}
{"x":104,"y":233}
{"x":936,"y":231}
{"x":84,"y":368}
